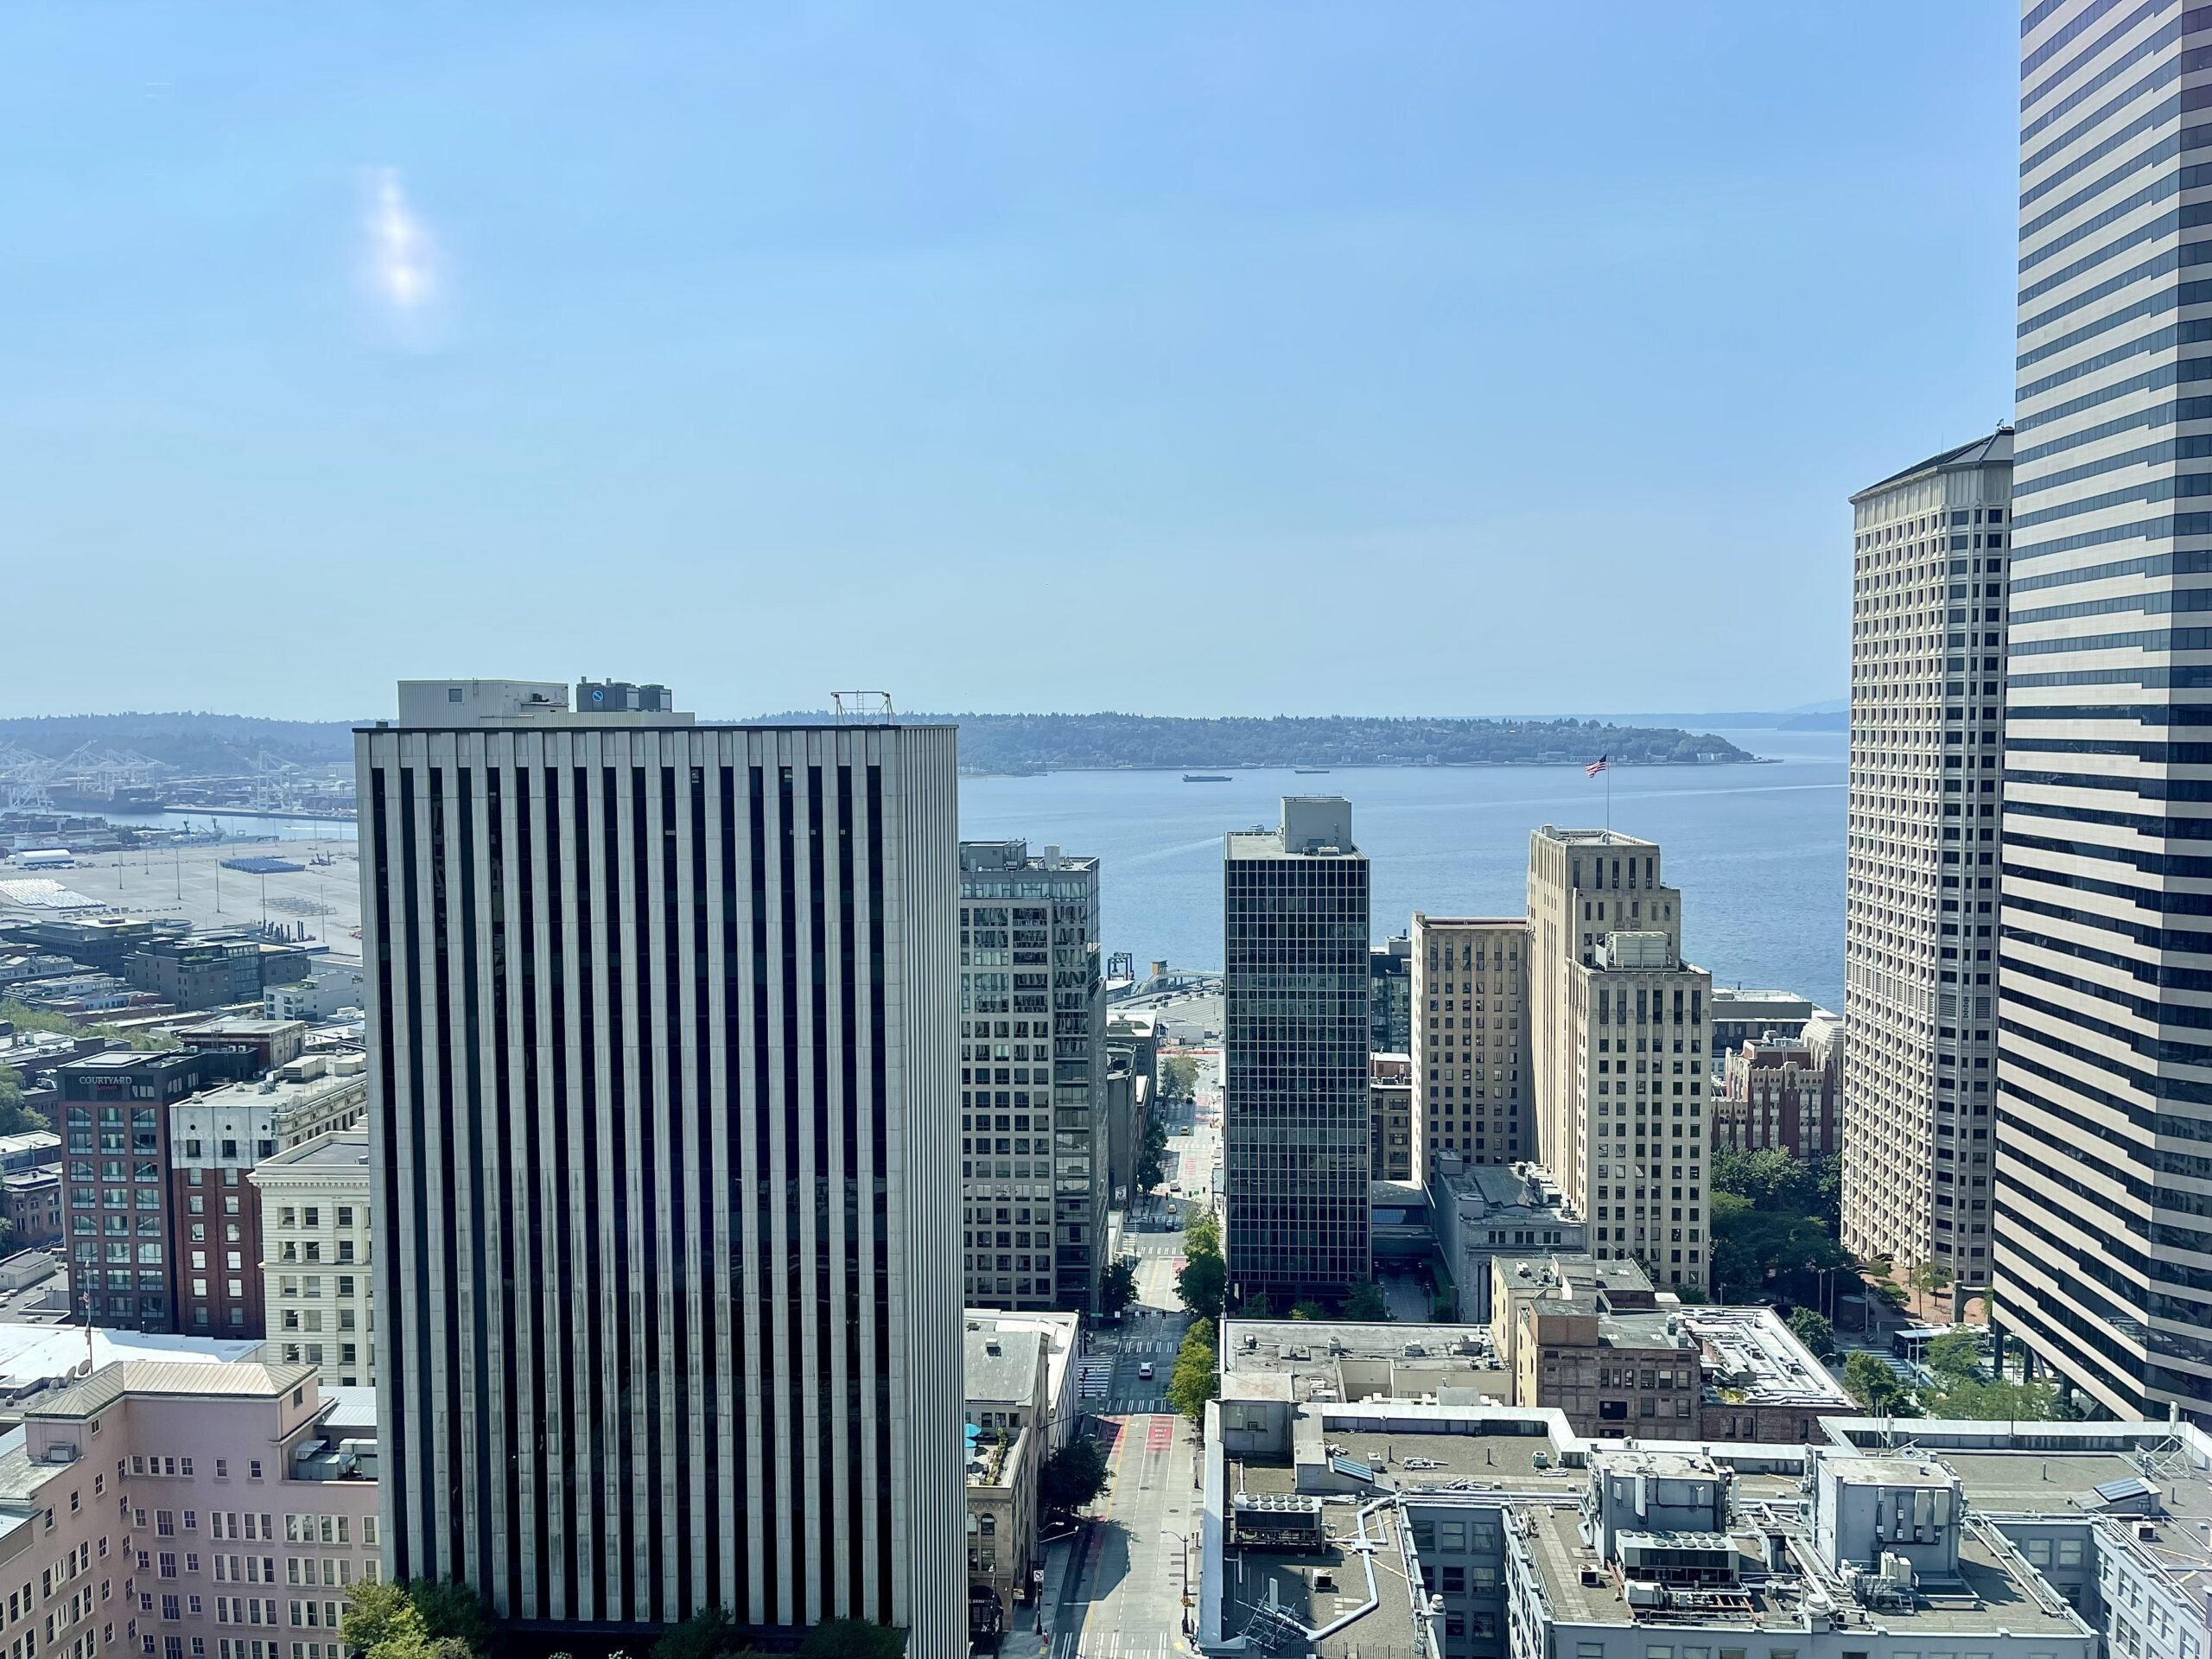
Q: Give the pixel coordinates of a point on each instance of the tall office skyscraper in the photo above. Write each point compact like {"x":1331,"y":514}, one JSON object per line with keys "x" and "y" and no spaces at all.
{"x":1294,"y":1120}
{"x":1622,"y":1027}
{"x":667,"y":1214}
{"x":1927,"y":728}
{"x":1032,"y":1118}
{"x":1473,"y":1074}
{"x":2103,"y":1250}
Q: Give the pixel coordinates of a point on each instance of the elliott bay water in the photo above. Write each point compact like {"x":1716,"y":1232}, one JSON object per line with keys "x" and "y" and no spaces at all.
{"x":1758,"y":850}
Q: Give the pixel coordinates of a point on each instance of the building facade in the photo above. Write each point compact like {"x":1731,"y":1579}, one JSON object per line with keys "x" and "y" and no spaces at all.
{"x":1484,"y":1212}
{"x":115,"y":1177}
{"x":1390,"y":1116}
{"x":1035,"y":1165}
{"x":161,"y":1508}
{"x":30,"y":1201}
{"x":1296,"y":1117}
{"x":209,"y":1217}
{"x":1470,"y":1017}
{"x":1780,"y":1094}
{"x":1927,"y":732}
{"x":1008,"y":1421}
{"x":1740,"y":1016}
{"x":317,"y":1270}
{"x":2103,"y":1254}
{"x":1390,"y":995}
{"x":663,"y":1029}
{"x":1620,"y":1044}
{"x":198,"y":970}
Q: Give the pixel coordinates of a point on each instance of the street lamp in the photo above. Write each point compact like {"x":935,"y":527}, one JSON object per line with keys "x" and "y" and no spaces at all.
{"x":1184,"y":1553}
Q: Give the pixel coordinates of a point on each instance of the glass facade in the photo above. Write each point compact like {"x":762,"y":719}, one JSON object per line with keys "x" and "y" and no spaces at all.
{"x":1295,"y":1124}
{"x":2105,"y":1071}
{"x":1033,"y":1127}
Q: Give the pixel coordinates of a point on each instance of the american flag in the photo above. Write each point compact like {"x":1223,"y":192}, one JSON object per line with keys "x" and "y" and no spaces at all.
{"x":1596,"y":766}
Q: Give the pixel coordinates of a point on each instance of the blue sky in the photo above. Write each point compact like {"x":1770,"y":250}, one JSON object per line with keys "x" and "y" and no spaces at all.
{"x":1234,"y":359}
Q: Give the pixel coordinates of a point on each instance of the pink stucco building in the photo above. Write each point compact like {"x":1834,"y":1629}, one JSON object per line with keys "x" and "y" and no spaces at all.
{"x":186,"y":1511}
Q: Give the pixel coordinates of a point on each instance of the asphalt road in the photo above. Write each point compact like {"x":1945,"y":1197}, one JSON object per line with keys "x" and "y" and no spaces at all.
{"x":1122,"y":1597}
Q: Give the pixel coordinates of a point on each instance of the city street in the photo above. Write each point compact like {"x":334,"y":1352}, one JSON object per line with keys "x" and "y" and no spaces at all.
{"x":1123,"y":1591}
{"x":1122,"y":1594}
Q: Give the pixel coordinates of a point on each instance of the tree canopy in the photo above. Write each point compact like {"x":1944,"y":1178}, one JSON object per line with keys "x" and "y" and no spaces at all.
{"x":1203,"y":1280}
{"x":1811,"y":1329}
{"x":1366,"y":1302}
{"x":1194,"y":1380}
{"x":426,"y":1619}
{"x":1117,"y":1287}
{"x":1073,"y":1478}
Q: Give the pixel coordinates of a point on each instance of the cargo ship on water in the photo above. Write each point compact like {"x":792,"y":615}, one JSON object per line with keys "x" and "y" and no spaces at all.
{"x":1205,"y":777}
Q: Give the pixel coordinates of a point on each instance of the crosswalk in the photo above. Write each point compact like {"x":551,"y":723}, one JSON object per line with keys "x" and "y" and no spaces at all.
{"x":1116,"y":1644}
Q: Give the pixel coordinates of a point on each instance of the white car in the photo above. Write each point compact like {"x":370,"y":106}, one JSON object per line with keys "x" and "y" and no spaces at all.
{"x":1144,"y":1371}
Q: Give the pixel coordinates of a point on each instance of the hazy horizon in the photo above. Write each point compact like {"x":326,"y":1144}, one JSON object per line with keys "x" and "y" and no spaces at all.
{"x":1292,"y":358}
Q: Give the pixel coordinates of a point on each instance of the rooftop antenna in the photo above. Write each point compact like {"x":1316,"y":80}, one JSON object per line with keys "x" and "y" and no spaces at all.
{"x":862,"y":708}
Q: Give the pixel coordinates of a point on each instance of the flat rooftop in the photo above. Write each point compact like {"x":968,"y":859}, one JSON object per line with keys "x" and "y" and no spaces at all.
{"x":1504,"y":1461}
{"x":337,"y":1151}
{"x":1760,"y":1362}
{"x":1594,"y":837}
{"x":1358,"y":1573}
{"x":1352,"y":1360}
{"x":1991,"y":1595}
{"x":1267,"y":844}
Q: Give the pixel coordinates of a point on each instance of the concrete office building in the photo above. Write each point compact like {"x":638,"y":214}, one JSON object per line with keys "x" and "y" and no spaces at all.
{"x":1035,"y":1163}
{"x":1483,"y":1212}
{"x":1620,"y":1044}
{"x":1497,"y":1533}
{"x":215,"y":1140}
{"x":1296,"y":1117}
{"x":332,"y":986}
{"x":1740,"y":1016}
{"x":1390,"y":1120}
{"x":662,"y":1034}
{"x":1470,"y":1040}
{"x":2104,"y":1069}
{"x":1927,"y":727}
{"x":317,"y":1264}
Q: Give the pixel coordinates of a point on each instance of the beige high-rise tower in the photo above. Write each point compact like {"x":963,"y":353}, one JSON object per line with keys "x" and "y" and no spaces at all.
{"x":1621,"y":1025}
{"x":1472,"y":1073}
{"x":1927,"y":732}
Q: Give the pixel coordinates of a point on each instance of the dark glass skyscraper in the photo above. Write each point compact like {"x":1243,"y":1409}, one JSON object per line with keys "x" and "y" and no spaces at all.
{"x":1295,"y":1120}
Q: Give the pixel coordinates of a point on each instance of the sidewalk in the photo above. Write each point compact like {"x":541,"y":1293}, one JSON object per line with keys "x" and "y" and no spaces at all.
{"x":1059,"y":1558}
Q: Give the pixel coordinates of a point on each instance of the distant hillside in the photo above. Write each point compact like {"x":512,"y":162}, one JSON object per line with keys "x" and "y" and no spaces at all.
{"x":191,"y":742}
{"x":1022,"y":743}
{"x":998,"y":743}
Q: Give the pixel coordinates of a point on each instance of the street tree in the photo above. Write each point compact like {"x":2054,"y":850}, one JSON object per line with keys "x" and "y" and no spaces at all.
{"x":1117,"y":1287}
{"x":1202,"y":1282}
{"x":1366,"y":1302}
{"x":1955,"y":1356}
{"x":1073,"y":1478}
{"x":1813,"y":1330}
{"x":1873,"y":1383}
{"x":1195,"y":1379}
